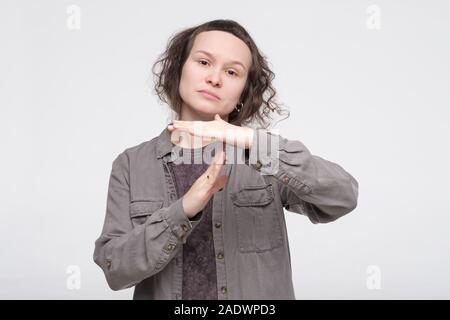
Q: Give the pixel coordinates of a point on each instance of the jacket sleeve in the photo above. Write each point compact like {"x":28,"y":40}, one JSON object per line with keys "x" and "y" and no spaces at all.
{"x":129,"y":255}
{"x":308,"y":184}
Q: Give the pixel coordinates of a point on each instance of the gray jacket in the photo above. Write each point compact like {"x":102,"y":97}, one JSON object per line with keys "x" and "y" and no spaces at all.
{"x":145,"y":226}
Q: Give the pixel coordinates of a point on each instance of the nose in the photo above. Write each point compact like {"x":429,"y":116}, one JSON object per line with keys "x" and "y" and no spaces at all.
{"x":213,"y":78}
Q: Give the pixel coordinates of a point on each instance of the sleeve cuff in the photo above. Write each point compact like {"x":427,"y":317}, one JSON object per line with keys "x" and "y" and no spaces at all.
{"x":264,"y":152}
{"x":179,"y":222}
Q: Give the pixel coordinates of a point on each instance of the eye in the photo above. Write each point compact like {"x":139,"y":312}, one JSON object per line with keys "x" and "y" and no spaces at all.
{"x":234,"y":74}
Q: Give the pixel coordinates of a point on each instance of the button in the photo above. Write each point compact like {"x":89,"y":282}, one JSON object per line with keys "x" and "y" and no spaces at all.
{"x":223,"y":290}
{"x":184,"y":227}
{"x":170,"y":246}
{"x":108,"y":264}
{"x":218,"y":224}
{"x":285,"y":179}
{"x":258,"y":164}
{"x":220,"y":255}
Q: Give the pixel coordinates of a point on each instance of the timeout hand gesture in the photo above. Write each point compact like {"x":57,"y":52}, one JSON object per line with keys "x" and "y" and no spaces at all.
{"x":205,"y":186}
{"x":217,"y":129}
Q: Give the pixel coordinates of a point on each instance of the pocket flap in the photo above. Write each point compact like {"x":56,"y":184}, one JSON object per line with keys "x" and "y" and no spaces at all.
{"x":144,"y":207}
{"x":253,"y":196}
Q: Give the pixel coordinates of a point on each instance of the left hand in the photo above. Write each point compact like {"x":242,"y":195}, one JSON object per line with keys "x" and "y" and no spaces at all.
{"x":218,"y":128}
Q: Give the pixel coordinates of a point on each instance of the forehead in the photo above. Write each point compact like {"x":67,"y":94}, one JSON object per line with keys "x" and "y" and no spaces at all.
{"x":223,"y":45}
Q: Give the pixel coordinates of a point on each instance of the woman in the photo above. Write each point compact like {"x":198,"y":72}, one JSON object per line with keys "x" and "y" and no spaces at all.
{"x":214,"y":229}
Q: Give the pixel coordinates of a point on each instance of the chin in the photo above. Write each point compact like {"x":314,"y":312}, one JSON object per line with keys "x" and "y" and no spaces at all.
{"x":206,"y":108}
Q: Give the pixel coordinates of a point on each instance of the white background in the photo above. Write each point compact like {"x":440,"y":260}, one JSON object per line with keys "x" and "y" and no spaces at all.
{"x":375,"y":101}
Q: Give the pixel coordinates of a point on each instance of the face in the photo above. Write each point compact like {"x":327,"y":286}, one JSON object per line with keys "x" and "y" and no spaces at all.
{"x":219,"y":62}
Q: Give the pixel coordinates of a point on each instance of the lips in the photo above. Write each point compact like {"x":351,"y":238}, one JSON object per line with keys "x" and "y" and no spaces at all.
{"x":209,"y":94}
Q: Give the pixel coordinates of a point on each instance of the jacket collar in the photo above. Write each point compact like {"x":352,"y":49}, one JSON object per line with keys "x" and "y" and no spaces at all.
{"x":163,"y":144}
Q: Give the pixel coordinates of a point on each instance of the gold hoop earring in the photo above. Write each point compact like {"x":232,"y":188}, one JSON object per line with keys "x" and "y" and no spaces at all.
{"x":238,"y":110}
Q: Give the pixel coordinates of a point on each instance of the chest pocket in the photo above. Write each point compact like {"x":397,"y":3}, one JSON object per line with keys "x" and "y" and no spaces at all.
{"x":258,"y":224}
{"x":140,"y":210}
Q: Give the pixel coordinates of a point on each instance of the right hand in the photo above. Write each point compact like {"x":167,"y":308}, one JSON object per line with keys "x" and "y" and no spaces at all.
{"x":204,"y":188}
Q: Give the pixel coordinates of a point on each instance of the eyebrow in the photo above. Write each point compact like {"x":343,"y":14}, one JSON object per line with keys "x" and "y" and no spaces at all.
{"x":212,"y":56}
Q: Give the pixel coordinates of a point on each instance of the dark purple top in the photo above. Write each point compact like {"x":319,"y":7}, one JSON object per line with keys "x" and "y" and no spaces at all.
{"x":199,"y":261}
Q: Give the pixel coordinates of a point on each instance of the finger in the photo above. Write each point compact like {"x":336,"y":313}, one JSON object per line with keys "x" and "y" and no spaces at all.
{"x":183,"y":131}
{"x":216,"y":165}
{"x":181,"y":126}
{"x":188,"y":125}
{"x":219,"y":183}
{"x":219,"y":158}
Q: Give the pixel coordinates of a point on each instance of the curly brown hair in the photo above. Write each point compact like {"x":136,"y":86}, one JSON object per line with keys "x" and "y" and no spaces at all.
{"x":258,"y":94}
